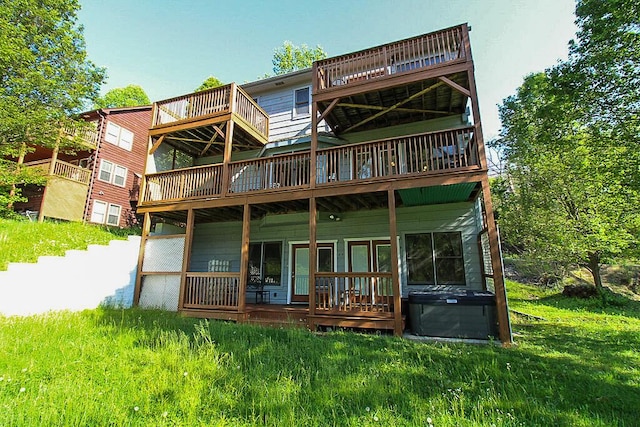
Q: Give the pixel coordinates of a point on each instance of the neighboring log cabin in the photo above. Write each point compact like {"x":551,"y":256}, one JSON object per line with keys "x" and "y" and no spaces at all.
{"x":325,"y":196}
{"x":99,"y":180}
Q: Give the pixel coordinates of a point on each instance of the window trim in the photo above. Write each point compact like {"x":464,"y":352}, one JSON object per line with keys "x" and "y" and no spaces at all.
{"x":434,"y":258}
{"x":118,"y":138}
{"x":112,"y":173}
{"x":106,"y":213}
{"x":294,"y":113}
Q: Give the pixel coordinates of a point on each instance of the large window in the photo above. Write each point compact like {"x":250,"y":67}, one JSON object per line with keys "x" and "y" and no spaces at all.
{"x":301,"y":102}
{"x":112,"y":173}
{"x":105,"y":213}
{"x":119,"y":136}
{"x":265,"y":263}
{"x":435,"y":259}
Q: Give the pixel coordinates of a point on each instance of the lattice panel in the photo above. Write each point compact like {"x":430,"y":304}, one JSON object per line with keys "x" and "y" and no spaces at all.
{"x":486,"y":254}
{"x":163,"y":255}
{"x":160,"y":291}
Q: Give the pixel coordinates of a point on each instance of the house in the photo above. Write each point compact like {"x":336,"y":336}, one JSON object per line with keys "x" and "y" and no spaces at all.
{"x":325,"y":196}
{"x":99,"y":180}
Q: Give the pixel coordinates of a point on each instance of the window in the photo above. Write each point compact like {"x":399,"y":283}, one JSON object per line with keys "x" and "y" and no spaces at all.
{"x":105,"y":213}
{"x":265,"y":263}
{"x":435,"y":259}
{"x":119,"y":136}
{"x":112,"y":173}
{"x":301,"y":102}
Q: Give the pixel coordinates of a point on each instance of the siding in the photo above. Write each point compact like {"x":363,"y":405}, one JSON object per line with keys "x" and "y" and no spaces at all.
{"x":221,"y":241}
{"x":138,"y":122}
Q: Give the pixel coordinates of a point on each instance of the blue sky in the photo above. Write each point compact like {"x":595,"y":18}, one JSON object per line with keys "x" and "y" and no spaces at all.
{"x":170,"y":46}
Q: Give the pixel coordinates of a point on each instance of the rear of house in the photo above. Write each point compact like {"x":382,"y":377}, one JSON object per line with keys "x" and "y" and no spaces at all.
{"x":326,"y":196}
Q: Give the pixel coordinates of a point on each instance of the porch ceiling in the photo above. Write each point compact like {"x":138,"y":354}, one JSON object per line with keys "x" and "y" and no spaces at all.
{"x":205,"y":141}
{"x":358,"y":112}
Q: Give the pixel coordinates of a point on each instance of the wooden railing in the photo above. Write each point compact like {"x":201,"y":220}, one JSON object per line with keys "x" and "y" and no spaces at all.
{"x":62,"y":169}
{"x":278,"y":172}
{"x":414,"y":155}
{"x":404,"y":56}
{"x":210,"y":102}
{"x":212,"y":290}
{"x":354,"y":292}
{"x":87,"y":134}
{"x":189,"y":183}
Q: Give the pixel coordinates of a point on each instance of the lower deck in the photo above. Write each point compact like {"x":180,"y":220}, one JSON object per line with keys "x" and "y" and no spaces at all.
{"x":296,"y":315}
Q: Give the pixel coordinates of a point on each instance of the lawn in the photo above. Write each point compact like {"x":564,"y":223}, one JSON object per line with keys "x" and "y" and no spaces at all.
{"x":580,"y":366}
{"x":25,"y":241}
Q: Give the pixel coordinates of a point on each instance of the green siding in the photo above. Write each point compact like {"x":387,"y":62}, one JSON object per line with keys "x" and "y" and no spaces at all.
{"x":437,"y":194}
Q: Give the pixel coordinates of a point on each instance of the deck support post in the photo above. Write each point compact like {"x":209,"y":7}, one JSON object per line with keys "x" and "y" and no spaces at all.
{"x":314,"y":133}
{"x":228,"y":141}
{"x":146,"y":228}
{"x":244,"y":258}
{"x":312,"y":261}
{"x":186,"y":257}
{"x":395,"y":276}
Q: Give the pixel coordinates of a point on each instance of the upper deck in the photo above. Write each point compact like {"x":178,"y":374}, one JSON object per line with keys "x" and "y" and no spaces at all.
{"x":189,"y":120}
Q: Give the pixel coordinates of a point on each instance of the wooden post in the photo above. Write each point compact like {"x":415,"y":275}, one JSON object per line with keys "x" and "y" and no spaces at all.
{"x":186,"y":257}
{"x":146,"y":228}
{"x":314,"y":128}
{"x":226,"y":173}
{"x":244,"y":257}
{"x":504,"y":327}
{"x":312,"y":260}
{"x":395,"y":275}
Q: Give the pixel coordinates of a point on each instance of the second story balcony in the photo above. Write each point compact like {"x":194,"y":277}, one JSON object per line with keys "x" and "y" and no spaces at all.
{"x":190,"y":118}
{"x":58,"y":168}
{"x":407,"y":157}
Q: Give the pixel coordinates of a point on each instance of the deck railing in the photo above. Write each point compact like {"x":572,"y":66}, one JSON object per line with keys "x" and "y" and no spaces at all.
{"x":404,"y":56}
{"x":87,"y":134}
{"x":189,"y":183}
{"x":210,"y":102}
{"x":414,"y":155}
{"x":62,"y":169}
{"x":354,"y":292}
{"x":212,"y":290}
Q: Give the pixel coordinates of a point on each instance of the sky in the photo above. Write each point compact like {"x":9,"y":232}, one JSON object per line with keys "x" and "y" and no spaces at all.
{"x":169,"y":47}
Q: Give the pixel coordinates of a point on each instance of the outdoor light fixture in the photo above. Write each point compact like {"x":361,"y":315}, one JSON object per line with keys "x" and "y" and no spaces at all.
{"x":334,"y":217}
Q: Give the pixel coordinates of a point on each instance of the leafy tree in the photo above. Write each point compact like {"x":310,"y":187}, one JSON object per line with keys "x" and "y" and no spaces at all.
{"x":209,"y":83}
{"x":290,"y":57}
{"x":572,"y":201}
{"x":130,"y":96}
{"x":45,"y":76}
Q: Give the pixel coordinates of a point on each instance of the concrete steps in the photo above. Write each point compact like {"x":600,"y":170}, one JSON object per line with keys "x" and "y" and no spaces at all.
{"x":100,"y":275}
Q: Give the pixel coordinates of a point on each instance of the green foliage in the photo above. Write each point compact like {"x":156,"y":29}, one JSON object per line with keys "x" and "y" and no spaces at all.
{"x":577,"y":367}
{"x":24,"y":241}
{"x":130,"y":96}
{"x":45,"y":76}
{"x":209,"y":83}
{"x":571,"y":138}
{"x":290,"y":57}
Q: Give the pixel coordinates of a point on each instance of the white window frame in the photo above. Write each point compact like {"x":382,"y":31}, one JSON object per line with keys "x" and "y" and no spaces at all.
{"x":102,"y":211}
{"x":109,"y":214}
{"x":103,"y":168}
{"x":95,"y":212}
{"x":294,"y":112}
{"x":113,"y":173}
{"x":117,"y":135}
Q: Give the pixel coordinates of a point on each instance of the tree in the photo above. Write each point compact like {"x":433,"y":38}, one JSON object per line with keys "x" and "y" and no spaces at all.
{"x":290,"y":57}
{"x":45,"y":76}
{"x":130,"y":96}
{"x":209,"y":83}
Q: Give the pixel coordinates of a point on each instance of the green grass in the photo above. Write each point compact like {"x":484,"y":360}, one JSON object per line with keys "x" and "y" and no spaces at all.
{"x":578,"y":367}
{"x":24,"y":241}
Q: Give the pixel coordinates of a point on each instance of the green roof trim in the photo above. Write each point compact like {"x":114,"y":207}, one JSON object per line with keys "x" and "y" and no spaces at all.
{"x":437,"y":194}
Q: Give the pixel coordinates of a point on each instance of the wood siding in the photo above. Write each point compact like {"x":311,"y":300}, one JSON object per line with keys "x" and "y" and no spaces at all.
{"x":138,"y":122}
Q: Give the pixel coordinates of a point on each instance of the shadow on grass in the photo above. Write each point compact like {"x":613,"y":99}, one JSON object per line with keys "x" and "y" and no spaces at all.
{"x":291,"y":375}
